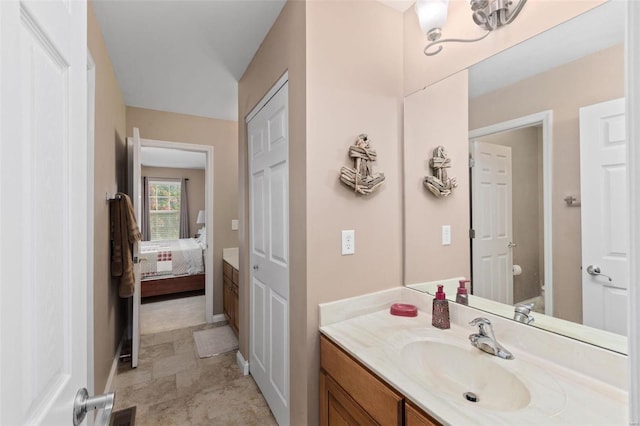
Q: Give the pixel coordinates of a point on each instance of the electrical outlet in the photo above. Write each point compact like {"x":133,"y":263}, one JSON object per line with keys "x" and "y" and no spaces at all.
{"x":348,"y":242}
{"x":446,"y":235}
{"x":234,"y":224}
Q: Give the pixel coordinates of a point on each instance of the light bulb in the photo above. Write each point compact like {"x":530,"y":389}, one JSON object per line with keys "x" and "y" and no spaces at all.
{"x":432,"y":14}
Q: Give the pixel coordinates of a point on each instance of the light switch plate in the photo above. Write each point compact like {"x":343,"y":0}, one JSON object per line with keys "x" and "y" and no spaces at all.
{"x":446,"y":235}
{"x":348,"y":242}
{"x":234,"y":224}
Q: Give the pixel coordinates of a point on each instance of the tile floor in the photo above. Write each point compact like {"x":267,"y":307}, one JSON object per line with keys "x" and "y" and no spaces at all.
{"x":173,"y":387}
{"x":171,"y":314}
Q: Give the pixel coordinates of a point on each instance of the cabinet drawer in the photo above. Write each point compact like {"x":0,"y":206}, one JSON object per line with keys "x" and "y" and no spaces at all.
{"x":227,"y":270}
{"x":382,"y":403}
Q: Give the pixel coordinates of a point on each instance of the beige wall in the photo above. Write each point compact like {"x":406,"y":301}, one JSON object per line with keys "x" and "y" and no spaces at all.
{"x":436,"y":116}
{"x":223,"y":136}
{"x":354,"y":85}
{"x":563,"y":90}
{"x":109,"y":176}
{"x":526,"y":207}
{"x":421,"y":70}
{"x":195,"y":189}
{"x":283,"y":49}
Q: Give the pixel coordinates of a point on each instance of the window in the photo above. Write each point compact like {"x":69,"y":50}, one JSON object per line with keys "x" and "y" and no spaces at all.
{"x":164,"y":209}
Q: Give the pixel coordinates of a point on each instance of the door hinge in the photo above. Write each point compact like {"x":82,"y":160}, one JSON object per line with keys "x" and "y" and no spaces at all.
{"x":472,"y":163}
{"x":472,"y":233}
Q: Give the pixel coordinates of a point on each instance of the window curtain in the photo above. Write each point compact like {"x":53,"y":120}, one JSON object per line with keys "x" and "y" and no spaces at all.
{"x":145,"y":220}
{"x":184,"y":210}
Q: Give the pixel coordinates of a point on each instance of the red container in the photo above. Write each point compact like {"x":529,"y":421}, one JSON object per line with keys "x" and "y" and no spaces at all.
{"x":404,"y":310}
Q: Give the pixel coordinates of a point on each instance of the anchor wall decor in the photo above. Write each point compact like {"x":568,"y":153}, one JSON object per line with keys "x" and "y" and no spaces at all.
{"x":440,"y":184}
{"x":360,"y":177}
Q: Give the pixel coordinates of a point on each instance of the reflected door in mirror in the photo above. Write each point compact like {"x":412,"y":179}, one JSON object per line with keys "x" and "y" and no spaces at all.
{"x":605,"y":220}
{"x":492,"y":222}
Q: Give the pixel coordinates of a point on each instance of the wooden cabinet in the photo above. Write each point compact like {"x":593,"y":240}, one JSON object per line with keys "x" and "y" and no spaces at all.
{"x":230,"y":295}
{"x":414,"y":416}
{"x":350,"y":394}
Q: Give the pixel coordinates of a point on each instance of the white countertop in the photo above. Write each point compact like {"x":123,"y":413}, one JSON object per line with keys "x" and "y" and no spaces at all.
{"x":605,"y":339}
{"x":231,"y":256}
{"x":559,"y":395}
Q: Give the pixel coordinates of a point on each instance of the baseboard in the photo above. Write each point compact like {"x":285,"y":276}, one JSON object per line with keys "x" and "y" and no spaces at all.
{"x":242,"y":363}
{"x":114,"y":367}
{"x":219,"y":318}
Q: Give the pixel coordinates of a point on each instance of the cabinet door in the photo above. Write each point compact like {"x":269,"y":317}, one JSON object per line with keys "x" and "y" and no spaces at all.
{"x":339,"y":409}
{"x":380,"y":402}
{"x":226,"y":298}
{"x":234,"y":307}
{"x":415,"y":417}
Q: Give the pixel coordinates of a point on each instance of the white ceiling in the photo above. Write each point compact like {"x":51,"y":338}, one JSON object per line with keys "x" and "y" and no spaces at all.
{"x":175,"y":158}
{"x":184,"y":56}
{"x":400,"y":5}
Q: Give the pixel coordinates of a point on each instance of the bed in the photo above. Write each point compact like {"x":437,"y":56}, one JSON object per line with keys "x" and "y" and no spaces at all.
{"x":171,"y":266}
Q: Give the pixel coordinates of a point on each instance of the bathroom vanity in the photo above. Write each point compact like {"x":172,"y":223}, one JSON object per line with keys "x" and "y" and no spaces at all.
{"x":377,"y":368}
{"x":352,"y":394}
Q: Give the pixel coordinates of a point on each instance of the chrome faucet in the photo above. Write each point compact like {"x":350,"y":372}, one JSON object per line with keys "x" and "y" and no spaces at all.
{"x":522,"y":313}
{"x":486,"y":341}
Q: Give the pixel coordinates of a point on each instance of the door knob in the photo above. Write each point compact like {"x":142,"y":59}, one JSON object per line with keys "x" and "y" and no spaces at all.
{"x":511,"y":245}
{"x":595,"y":271}
{"x":83,"y":403}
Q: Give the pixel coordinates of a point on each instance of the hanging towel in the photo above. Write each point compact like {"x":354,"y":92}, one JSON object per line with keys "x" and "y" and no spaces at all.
{"x":124,"y":232}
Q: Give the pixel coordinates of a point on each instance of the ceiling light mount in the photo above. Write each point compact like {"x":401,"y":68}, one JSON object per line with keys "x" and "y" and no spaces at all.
{"x":487,"y":14}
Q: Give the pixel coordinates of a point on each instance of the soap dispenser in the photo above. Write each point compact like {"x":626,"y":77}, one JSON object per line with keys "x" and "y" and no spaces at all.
{"x":440,"y":314}
{"x":462,"y":295}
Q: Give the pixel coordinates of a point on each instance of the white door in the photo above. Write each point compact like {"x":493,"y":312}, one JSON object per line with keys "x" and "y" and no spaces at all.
{"x":491,"y":219}
{"x":135,"y":191}
{"x":44,"y":204}
{"x":268,"y":138}
{"x":605,"y":216}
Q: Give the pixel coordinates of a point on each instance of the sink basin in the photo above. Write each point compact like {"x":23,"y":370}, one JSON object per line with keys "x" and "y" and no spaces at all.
{"x":457,"y":371}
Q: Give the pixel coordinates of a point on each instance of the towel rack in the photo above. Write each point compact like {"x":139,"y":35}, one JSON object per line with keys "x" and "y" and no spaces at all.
{"x":111,"y":197}
{"x":572,"y":201}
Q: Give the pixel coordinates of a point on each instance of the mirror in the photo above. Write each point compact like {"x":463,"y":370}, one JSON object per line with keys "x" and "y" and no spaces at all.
{"x":524,"y":110}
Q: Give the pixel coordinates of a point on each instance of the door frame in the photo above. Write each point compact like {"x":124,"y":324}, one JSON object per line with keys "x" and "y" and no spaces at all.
{"x":91,"y":121}
{"x":209,"y":269}
{"x":545,"y":119}
{"x":632,"y":95}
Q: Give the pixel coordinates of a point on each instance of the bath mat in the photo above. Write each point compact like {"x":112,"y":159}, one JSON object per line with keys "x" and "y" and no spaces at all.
{"x":215,"y":341}
{"x":126,"y":417}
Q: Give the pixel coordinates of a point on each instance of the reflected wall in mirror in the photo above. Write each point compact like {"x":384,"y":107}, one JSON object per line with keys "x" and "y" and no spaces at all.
{"x":515,"y":99}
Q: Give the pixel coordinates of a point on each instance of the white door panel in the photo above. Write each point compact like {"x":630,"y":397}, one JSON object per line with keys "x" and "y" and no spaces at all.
{"x":605,"y":219}
{"x":268,"y":142}
{"x":492,"y":222}
{"x":43,"y":210}
{"x":135,"y":192}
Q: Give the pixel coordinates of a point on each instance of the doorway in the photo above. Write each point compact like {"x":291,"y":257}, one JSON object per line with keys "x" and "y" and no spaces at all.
{"x":160,"y":265}
{"x":526,"y":266}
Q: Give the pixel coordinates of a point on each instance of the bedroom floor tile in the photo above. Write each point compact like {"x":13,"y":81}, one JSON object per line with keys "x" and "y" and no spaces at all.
{"x":172,"y":314}
{"x":172,"y":386}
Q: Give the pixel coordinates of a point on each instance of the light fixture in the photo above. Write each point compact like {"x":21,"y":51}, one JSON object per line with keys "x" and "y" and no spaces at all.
{"x":201,"y":219}
{"x":488,"y":14}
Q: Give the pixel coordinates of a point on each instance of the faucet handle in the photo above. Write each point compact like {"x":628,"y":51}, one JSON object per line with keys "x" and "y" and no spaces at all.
{"x":524,"y":308}
{"x":480,"y":321}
